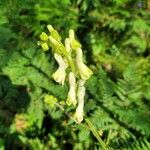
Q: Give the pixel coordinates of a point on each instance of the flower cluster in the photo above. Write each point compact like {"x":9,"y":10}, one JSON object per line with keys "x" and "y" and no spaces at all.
{"x":69,"y":57}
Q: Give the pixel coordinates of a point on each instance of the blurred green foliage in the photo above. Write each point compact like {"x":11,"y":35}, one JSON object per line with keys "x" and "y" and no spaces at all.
{"x":115,"y":35}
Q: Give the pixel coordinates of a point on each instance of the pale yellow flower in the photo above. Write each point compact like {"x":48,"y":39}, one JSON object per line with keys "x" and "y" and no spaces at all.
{"x":72,"y":92}
{"x":60,"y":60}
{"x":60,"y":75}
{"x":84,"y":71}
{"x":78,"y":116}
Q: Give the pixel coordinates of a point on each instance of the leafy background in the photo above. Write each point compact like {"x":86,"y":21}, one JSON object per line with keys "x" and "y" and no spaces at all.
{"x":115,"y":35}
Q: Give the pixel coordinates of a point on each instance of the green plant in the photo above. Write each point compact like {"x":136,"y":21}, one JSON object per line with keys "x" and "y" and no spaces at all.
{"x":70,"y":58}
{"x":115,"y":41}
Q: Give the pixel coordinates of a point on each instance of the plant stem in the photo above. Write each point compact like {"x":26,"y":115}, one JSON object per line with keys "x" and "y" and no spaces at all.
{"x":90,"y":125}
{"x":71,"y":63}
{"x":61,"y":107}
{"x":95,"y":133}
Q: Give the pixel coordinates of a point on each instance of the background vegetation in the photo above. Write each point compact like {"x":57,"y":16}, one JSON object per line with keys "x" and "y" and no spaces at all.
{"x":115,"y":35}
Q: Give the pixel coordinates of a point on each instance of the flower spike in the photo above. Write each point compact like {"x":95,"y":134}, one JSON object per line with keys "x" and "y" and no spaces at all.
{"x":68,"y":55}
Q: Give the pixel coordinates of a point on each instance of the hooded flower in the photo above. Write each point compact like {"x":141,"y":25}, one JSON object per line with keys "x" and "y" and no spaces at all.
{"x":72,"y":92}
{"x":79,"y":110}
{"x":60,"y":74}
{"x":84,"y":71}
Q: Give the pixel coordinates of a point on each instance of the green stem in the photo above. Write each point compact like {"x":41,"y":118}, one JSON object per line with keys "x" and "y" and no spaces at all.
{"x":71,"y":63}
{"x":108,"y":137}
{"x":95,"y":133}
{"x":61,"y":107}
{"x":90,"y":127}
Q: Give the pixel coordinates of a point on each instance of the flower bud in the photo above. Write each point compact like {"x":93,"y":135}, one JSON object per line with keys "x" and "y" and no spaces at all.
{"x":72,"y":92}
{"x":45,"y":46}
{"x":44,"y":37}
{"x":50,"y":28}
{"x":74,"y":44}
{"x":84,"y":71}
{"x":54,"y":33}
{"x":79,"y":110}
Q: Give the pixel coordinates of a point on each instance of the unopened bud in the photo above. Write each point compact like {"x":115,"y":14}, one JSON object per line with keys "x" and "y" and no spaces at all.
{"x":54,"y":33}
{"x":50,"y":28}
{"x":44,"y":37}
{"x":45,"y":46}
